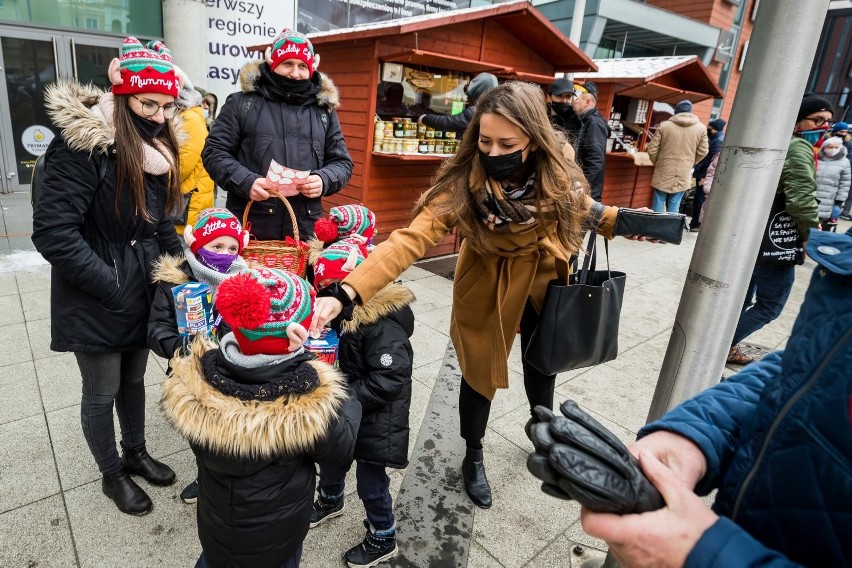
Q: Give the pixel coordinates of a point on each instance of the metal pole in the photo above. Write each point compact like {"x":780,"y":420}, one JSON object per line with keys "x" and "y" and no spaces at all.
{"x":781,"y":52}
{"x":577,"y":21}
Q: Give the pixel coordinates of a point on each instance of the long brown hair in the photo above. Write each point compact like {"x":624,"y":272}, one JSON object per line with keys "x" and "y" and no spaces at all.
{"x":129,"y":150}
{"x":523,"y":105}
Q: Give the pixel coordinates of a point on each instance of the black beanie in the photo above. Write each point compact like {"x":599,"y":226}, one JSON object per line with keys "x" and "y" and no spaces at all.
{"x":812,"y":103}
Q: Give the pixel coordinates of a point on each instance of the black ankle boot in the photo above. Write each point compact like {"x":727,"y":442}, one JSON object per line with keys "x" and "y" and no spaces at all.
{"x":127,"y":496}
{"x":475,"y":482}
{"x":137,"y":462}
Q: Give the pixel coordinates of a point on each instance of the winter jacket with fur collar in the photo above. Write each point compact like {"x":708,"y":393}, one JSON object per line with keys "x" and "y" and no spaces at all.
{"x":302,"y":136}
{"x":101,"y":262}
{"x":256,"y":455}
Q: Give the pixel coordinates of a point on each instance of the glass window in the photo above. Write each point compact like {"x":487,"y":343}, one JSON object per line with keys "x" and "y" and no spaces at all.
{"x":114,"y":16}
{"x":422,"y":91}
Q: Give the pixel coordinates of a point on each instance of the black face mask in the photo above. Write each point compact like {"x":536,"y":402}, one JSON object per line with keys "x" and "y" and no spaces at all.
{"x":147,"y":129}
{"x":562,"y":108}
{"x":502,"y":167}
{"x":285,"y":88}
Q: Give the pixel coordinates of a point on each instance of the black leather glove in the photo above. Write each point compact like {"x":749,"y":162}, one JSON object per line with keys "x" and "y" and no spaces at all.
{"x":336,"y":291}
{"x":577,"y":458}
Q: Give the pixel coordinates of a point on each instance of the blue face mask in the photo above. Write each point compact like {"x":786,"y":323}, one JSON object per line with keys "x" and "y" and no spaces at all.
{"x":206,"y":113}
{"x":217,"y":261}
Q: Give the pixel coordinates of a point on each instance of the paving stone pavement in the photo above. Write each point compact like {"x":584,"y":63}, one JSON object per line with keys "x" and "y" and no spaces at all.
{"x":52,"y":512}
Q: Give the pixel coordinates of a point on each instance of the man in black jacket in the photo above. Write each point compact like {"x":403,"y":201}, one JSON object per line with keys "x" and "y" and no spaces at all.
{"x":559,"y":97}
{"x":590,"y":143}
{"x":458,"y":122}
{"x":285,"y":112}
{"x":716,"y":137}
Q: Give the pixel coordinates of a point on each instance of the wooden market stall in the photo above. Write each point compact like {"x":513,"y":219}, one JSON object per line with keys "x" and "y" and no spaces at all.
{"x":635,"y":96}
{"x":398,"y":69}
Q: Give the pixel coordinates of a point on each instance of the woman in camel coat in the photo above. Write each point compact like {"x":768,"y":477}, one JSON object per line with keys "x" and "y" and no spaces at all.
{"x":504,"y":190}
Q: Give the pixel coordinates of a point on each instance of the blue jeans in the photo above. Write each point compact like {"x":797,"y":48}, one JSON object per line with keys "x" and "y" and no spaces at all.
{"x":112,"y":379}
{"x":292,"y":562}
{"x":671,"y":201}
{"x":373,"y":490}
{"x":767,"y":293}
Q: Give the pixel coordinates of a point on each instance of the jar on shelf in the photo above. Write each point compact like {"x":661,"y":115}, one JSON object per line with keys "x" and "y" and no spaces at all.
{"x":398,"y":128}
{"x":387,"y":145}
{"x":421,"y":130}
{"x":410,"y":146}
{"x":430,"y":145}
{"x":409,"y":129}
{"x":439,"y":134}
{"x":422,"y":147}
{"x":430,"y":132}
{"x":449,"y":135}
{"x":439,"y":146}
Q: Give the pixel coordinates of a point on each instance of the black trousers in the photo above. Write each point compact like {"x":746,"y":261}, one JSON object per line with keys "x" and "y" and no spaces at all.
{"x":475,"y":408}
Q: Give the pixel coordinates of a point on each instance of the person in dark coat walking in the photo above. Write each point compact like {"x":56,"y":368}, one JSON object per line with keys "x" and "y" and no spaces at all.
{"x":590,"y":142}
{"x":458,"y":123}
{"x":285,"y":112}
{"x":259,"y":412}
{"x":376,"y":355}
{"x":774,"y":439}
{"x":560,"y":98}
{"x":715,"y":138}
{"x":101,"y":220}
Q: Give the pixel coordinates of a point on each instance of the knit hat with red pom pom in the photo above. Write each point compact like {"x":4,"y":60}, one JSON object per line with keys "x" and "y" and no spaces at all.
{"x":214,"y":223}
{"x":262,"y":306}
{"x":336,"y":262}
{"x":146,"y":69}
{"x":290,"y":44}
{"x":346,"y":221}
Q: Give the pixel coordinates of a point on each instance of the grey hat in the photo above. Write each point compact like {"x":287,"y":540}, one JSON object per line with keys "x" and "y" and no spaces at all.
{"x":683,"y":106}
{"x":479,"y":85}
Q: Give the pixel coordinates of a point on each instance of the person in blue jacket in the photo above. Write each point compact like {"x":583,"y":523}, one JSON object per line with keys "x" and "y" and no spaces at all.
{"x":775,"y":439}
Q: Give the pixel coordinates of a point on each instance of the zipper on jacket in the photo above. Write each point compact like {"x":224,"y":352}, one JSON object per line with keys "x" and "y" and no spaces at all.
{"x":781,"y":415}
{"x":115,"y":267}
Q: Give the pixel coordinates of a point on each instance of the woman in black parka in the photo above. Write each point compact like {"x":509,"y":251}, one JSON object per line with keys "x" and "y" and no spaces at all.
{"x":285,"y":112}
{"x":100,"y":220}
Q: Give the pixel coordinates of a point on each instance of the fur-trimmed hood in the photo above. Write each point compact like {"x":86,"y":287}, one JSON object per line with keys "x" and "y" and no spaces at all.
{"x":228,"y":426}
{"x":69,"y":105}
{"x":169,"y":270}
{"x":327,"y":97}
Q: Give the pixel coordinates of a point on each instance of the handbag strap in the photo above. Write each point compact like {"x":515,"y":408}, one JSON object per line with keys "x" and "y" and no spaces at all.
{"x":247,"y":226}
{"x":587,"y":272}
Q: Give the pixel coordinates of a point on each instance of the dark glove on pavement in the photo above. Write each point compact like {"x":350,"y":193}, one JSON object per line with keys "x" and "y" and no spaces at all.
{"x":577,"y":458}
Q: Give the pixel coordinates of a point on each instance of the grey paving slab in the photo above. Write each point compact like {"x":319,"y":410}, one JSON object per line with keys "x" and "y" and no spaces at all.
{"x":8,"y":284}
{"x":576,"y":534}
{"x":36,"y":305}
{"x":60,"y":382}
{"x":28,"y":473}
{"x":105,"y":536}
{"x":14,"y":344}
{"x":10,"y":309}
{"x":519,"y":505}
{"x":507,"y":400}
{"x":431,"y":292}
{"x":33,"y":278}
{"x":39,"y":339}
{"x":613,"y":393}
{"x":438,"y":319}
{"x":37,"y":535}
{"x":564,"y":553}
{"x":415,"y":273}
{"x":479,"y":558}
{"x":155,"y":372}
{"x":429,"y":345}
{"x":426,"y":373}
{"x":20,"y":392}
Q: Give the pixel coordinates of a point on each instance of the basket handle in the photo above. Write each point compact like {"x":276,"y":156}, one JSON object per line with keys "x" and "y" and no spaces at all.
{"x":289,"y":210}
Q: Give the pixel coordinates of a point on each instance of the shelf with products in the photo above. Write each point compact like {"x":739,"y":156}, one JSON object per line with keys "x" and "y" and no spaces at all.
{"x":411,"y":157}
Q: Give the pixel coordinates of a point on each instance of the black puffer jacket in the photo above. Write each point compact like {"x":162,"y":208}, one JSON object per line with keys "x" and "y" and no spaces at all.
{"x":256,"y":453}
{"x":101,"y":264}
{"x":376,"y":356}
{"x":303,"y":136}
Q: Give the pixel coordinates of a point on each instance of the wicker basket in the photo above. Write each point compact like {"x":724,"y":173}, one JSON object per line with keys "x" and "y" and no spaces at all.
{"x":290,"y":254}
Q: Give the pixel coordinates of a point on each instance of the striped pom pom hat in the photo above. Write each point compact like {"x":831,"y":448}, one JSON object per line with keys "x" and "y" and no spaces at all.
{"x":261,"y":306}
{"x":336,"y":262}
{"x":346,"y":221}
{"x":146,"y":69}
{"x":290,"y":44}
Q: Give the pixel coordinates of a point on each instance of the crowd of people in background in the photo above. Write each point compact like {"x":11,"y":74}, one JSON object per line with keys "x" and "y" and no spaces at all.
{"x":126,"y":214}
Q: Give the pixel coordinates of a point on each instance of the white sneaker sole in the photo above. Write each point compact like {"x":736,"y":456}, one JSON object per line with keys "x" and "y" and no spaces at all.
{"x":388,"y":556}
{"x":328,"y":517}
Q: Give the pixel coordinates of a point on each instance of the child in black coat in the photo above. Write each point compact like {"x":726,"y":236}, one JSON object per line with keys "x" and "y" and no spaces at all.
{"x":212,"y":254}
{"x":376,"y":355}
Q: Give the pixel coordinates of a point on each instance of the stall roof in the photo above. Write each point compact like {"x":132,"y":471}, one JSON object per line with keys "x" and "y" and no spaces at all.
{"x":519,"y":18}
{"x":659,"y":78}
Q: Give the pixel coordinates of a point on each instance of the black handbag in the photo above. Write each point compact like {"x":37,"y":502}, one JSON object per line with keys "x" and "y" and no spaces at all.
{"x":666,"y":227}
{"x":781,"y":244}
{"x":183,"y":216}
{"x":578,"y":324}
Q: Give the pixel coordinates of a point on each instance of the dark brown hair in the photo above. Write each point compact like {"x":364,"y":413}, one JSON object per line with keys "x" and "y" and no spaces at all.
{"x":129,"y":152}
{"x":523,"y":105}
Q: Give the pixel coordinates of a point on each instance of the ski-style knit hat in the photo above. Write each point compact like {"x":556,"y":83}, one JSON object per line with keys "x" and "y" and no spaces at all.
{"x":264,"y":307}
{"x":336,"y":262}
{"x":145,"y":69}
{"x":812,"y":103}
{"x":290,"y":44}
{"x":212,"y":224}
{"x":346,"y":221}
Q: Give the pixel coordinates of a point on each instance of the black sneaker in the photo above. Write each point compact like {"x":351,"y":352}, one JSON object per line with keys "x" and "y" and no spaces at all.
{"x":374,"y":549}
{"x":326,"y":508}
{"x":189,"y":495}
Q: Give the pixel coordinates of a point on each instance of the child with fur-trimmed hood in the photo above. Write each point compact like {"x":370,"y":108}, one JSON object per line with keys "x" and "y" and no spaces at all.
{"x":376,"y":355}
{"x":259,"y":412}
